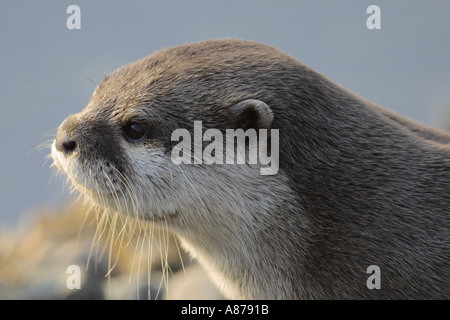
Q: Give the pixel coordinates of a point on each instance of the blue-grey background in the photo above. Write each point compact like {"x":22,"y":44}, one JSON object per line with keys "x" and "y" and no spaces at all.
{"x":48,"y":72}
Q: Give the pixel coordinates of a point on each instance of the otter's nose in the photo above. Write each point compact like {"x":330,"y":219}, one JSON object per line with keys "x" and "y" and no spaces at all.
{"x":63,"y":141}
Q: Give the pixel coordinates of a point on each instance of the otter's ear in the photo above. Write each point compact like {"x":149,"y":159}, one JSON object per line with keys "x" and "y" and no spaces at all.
{"x":252,"y":113}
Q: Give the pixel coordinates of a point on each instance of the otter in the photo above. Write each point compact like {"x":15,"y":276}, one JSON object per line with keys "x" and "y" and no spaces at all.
{"x":357,"y":185}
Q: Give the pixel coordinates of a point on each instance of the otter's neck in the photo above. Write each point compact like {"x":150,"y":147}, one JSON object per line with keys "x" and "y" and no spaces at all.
{"x":250,"y":264}
{"x":249,"y":246}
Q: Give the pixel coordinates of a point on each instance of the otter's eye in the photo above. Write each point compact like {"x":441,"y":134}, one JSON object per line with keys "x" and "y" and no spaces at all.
{"x":134,"y":132}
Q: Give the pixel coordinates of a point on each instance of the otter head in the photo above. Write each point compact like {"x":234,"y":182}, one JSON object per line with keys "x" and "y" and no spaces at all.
{"x":118,"y":150}
{"x":311,"y":229}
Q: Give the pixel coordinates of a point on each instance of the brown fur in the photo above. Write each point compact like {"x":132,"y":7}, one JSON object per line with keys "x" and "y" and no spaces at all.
{"x":357,"y":186}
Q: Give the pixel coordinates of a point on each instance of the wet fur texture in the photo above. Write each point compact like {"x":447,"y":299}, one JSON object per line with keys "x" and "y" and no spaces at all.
{"x":357,"y":185}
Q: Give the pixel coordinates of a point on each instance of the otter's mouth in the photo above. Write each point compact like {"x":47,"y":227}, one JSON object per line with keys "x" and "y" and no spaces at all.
{"x":92,"y":181}
{"x":105,"y":190}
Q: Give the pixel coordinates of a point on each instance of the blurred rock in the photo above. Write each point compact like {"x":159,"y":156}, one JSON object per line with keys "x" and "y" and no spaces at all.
{"x":192,"y":284}
{"x":117,"y":260}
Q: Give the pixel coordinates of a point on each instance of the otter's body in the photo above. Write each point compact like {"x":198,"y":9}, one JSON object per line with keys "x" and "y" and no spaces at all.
{"x":357,"y":185}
